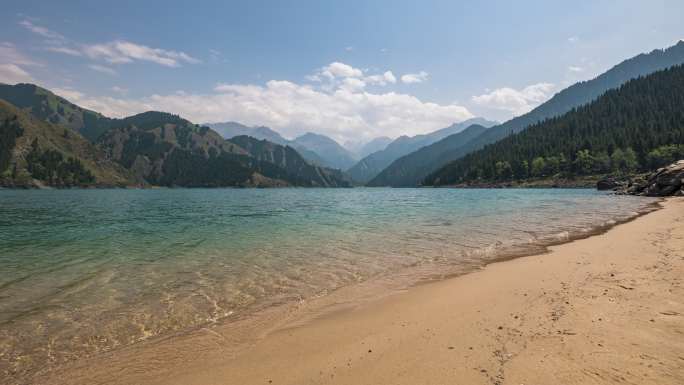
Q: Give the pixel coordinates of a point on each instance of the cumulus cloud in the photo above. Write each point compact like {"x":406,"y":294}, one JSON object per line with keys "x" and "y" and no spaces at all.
{"x":414,"y":78}
{"x":573,"y":39}
{"x":381,"y":80}
{"x":575,"y":69}
{"x":343,"y":75}
{"x":346,"y":112}
{"x":340,"y":70}
{"x":515,"y":101}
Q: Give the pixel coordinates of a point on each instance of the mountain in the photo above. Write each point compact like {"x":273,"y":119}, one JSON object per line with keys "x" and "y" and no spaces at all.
{"x":232,"y":129}
{"x":330,"y":152}
{"x":47,"y":106}
{"x":292,"y":162}
{"x":636,"y":127}
{"x":167,"y":150}
{"x":36,"y":153}
{"x":362,"y":149}
{"x":409,"y":170}
{"x":574,"y":96}
{"x":370,"y":166}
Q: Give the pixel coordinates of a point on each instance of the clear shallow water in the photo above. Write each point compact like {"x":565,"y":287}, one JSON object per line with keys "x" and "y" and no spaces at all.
{"x":82,"y":271}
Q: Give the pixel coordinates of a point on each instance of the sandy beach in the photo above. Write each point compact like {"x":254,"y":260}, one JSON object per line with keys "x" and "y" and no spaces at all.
{"x":608,"y":309}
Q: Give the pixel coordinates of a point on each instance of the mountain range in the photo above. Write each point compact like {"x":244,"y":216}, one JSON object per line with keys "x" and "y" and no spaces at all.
{"x":412,"y":170}
{"x":636,"y":127}
{"x":362,"y":149}
{"x":371,"y":165}
{"x":316,"y":148}
{"x":36,"y":152}
{"x":49,"y":141}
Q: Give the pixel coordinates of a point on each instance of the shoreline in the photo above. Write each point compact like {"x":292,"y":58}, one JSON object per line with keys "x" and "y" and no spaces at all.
{"x":209,"y":355}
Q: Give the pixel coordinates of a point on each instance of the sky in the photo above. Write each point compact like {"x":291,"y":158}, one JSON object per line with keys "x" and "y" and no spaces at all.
{"x":353,"y":70}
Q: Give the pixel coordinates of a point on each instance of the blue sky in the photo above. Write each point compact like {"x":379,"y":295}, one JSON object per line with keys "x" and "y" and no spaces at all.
{"x":350,"y":69}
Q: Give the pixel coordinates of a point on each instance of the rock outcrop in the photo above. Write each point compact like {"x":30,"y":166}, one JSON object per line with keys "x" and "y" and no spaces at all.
{"x":608,"y":183}
{"x":666,"y":181}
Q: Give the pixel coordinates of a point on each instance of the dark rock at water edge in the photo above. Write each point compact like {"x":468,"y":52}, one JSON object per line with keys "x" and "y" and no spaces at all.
{"x":666,"y":181}
{"x":609,"y":183}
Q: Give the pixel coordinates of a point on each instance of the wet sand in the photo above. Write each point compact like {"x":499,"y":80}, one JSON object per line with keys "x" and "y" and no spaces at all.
{"x":608,"y":309}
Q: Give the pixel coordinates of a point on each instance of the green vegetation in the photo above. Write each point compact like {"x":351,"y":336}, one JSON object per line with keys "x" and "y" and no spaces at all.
{"x":297,"y":169}
{"x":634,"y":128}
{"x":49,"y":107}
{"x":9,"y":132}
{"x":408,"y":173}
{"x":35,"y":153}
{"x":408,"y":170}
{"x":166,"y":150}
{"x":51,"y":167}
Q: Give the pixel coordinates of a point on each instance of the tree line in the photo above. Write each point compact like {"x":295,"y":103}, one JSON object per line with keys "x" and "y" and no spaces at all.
{"x":637,"y":127}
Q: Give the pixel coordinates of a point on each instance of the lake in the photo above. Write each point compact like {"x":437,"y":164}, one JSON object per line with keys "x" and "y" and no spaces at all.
{"x":85,"y":271}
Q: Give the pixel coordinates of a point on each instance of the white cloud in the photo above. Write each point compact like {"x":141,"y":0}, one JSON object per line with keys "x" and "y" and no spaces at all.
{"x":340,"y":70}
{"x":68,"y":93}
{"x":64,"y":50}
{"x":12,"y":65}
{"x":353,"y":84}
{"x":115,"y":52}
{"x":120,"y":90}
{"x":216,"y":56}
{"x":349,"y":48}
{"x":122,"y":51}
{"x":345,"y":112}
{"x":515,"y":101}
{"x":573,"y":39}
{"x":12,"y":74}
{"x":414,"y":78}
{"x":10,"y":54}
{"x":389,"y":76}
{"x":337,"y":74}
{"x":381,"y":80}
{"x":575,"y":69}
{"x":42,"y":31}
{"x":103,"y":69}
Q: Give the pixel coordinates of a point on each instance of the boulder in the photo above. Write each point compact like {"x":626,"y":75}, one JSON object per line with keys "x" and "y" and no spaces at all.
{"x":666,"y":181}
{"x":608,"y":183}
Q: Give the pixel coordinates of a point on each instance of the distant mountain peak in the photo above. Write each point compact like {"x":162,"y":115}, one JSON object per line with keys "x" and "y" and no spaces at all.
{"x":372,"y":164}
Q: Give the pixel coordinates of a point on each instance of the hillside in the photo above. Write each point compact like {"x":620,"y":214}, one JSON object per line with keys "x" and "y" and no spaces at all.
{"x":164,"y":149}
{"x":362,"y":149}
{"x":47,"y":106}
{"x":637,"y":127}
{"x":35,"y":153}
{"x":229,"y":130}
{"x":288,"y":159}
{"x":370,"y":166}
{"x":331,"y":153}
{"x":408,"y":170}
{"x":567,"y":99}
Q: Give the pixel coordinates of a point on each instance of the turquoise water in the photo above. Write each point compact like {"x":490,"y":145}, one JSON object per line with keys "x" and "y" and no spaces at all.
{"x":83,"y":271}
